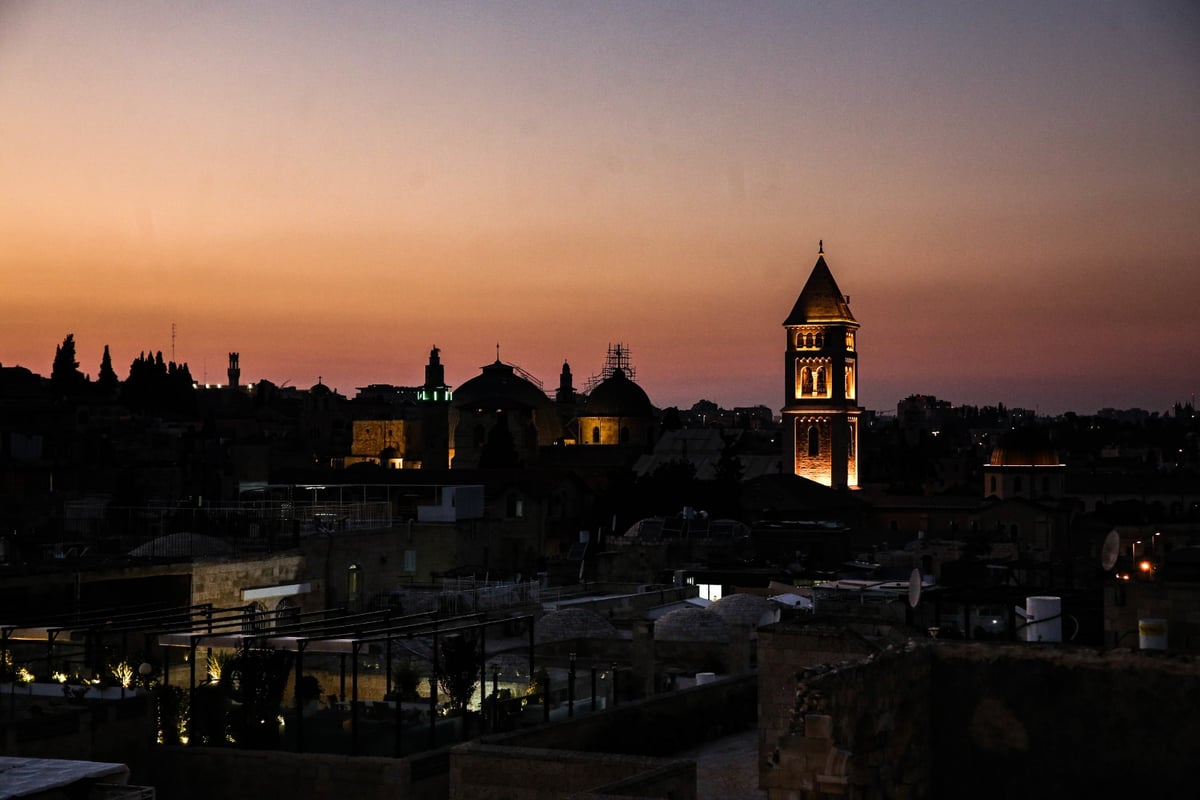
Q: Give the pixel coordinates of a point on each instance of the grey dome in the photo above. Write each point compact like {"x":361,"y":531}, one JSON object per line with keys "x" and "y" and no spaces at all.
{"x":573,"y":623}
{"x":691,"y":625}
{"x":743,"y":609}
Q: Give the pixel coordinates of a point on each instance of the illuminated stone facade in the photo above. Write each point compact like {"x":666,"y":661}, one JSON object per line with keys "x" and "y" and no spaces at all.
{"x":820,"y":412}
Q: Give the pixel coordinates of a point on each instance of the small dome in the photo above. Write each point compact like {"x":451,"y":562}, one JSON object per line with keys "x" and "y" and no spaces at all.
{"x":691,"y":625}
{"x":498,"y":386}
{"x":573,"y":623}
{"x":744,"y":609}
{"x":618,"y":396}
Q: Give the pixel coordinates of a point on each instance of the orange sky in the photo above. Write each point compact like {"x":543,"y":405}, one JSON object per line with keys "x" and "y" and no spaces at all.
{"x":1009,"y":195}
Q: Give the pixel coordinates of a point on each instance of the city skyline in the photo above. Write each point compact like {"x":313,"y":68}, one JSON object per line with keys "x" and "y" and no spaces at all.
{"x":1008,"y":194}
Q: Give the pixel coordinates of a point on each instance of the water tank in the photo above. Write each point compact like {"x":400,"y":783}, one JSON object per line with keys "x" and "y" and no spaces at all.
{"x":1152,"y":634}
{"x":1043,"y":619}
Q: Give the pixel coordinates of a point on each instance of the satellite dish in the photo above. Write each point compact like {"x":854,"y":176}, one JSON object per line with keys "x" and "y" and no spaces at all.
{"x":914,"y":588}
{"x":1110,"y":550}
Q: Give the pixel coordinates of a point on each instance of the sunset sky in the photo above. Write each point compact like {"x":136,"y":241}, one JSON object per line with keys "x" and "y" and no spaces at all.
{"x":1009,"y":192}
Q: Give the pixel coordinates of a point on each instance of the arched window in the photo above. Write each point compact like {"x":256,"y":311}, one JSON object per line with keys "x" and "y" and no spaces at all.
{"x":255,"y":619}
{"x":286,"y":613}
{"x":849,"y":440}
{"x":821,"y":388}
{"x":820,"y":340}
{"x":596,"y":435}
{"x":806,"y":381}
{"x":808,"y":340}
{"x":354,"y":587}
{"x":814,"y":442}
{"x":624,"y":435}
{"x":849,"y":382}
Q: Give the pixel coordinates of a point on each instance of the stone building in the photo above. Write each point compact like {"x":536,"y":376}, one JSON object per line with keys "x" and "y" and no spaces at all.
{"x":618,"y":412}
{"x":503,"y":417}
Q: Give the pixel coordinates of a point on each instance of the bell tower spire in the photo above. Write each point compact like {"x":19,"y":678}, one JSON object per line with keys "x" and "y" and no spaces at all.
{"x":820,"y":411}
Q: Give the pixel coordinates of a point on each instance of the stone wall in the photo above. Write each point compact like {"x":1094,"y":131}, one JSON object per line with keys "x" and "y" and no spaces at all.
{"x":860,"y":729}
{"x":949,"y":719}
{"x":221,"y":582}
{"x":488,"y":772}
{"x":1040,"y":721}
{"x":783,"y":650}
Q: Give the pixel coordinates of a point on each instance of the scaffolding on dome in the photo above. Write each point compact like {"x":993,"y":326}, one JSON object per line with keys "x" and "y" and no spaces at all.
{"x":618,"y":357}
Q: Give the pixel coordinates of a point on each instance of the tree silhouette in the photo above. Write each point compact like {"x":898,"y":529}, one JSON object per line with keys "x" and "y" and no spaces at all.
{"x":458,"y":667}
{"x":107,"y":380}
{"x":65,"y":376}
{"x":499,"y":451}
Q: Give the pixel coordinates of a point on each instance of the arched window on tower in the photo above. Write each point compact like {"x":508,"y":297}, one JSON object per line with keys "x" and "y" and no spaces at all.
{"x":814,"y":442}
{"x":596,"y":434}
{"x":806,"y":381}
{"x":821,"y":388}
{"x":849,"y":381}
{"x":808,"y":340}
{"x":819,"y":341}
{"x":849,"y":441}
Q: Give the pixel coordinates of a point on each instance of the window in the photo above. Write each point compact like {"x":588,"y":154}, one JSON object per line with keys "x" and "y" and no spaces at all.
{"x":806,"y":381}
{"x":596,"y":435}
{"x":819,"y":341}
{"x":286,"y":613}
{"x":821,"y":388}
{"x":814,"y":442}
{"x":353,"y":587}
{"x":410,"y":560}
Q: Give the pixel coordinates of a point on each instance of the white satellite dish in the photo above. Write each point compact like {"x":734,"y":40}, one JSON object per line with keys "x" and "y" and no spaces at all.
{"x":914,"y":588}
{"x":1110,"y":551}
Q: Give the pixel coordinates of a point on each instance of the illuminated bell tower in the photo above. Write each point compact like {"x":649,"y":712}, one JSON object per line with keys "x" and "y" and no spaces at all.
{"x":820,"y":411}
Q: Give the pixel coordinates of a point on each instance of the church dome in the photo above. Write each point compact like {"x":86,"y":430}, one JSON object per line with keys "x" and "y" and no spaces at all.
{"x":498,"y":386}
{"x":618,"y":396}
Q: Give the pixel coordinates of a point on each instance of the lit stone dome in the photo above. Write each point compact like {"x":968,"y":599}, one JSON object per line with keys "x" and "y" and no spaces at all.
{"x":618,"y":396}
{"x":1024,"y":448}
{"x":691,"y":624}
{"x":573,"y":623}
{"x":498,"y":386}
{"x":744,"y":609}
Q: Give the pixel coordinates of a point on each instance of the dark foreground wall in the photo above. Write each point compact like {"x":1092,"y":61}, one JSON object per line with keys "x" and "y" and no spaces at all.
{"x":949,"y":720}
{"x":1029,"y":721}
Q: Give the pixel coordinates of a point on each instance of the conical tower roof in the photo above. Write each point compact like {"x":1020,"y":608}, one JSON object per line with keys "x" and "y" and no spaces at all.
{"x":820,"y":301}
